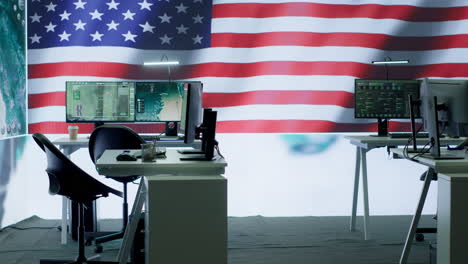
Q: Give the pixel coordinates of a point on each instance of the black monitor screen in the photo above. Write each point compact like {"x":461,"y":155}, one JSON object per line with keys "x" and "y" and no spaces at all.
{"x":100,"y":102}
{"x":158,"y":101}
{"x":384,"y":98}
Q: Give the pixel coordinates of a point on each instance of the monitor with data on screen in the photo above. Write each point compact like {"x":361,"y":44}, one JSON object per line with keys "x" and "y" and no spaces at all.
{"x":100,"y":102}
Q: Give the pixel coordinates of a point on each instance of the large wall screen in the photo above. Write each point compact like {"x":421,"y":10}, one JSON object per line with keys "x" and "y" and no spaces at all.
{"x":12,"y":69}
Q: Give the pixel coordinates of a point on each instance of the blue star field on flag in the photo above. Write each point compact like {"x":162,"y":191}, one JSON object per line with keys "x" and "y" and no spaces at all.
{"x":142,"y":24}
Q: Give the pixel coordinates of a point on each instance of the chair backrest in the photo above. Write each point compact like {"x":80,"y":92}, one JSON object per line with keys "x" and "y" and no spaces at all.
{"x":112,"y":137}
{"x":67,"y":179}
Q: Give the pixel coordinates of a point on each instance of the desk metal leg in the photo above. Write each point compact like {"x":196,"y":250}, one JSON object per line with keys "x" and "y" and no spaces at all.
{"x":131,"y":228}
{"x":417,"y":215}
{"x":64,"y":220}
{"x":65,"y":203}
{"x":365,"y":193}
{"x":357,"y":170}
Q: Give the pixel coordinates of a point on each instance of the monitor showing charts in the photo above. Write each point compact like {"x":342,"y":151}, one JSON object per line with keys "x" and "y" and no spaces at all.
{"x":98,"y":102}
{"x":384,"y":99}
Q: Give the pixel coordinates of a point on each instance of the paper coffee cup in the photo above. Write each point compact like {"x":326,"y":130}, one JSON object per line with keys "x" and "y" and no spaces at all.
{"x":73,"y":132}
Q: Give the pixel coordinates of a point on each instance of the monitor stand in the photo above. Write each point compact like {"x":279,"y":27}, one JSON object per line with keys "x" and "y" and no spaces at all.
{"x":382,"y":128}
{"x":414,"y":151}
{"x":98,"y":124}
{"x":190,"y":151}
{"x":445,"y":156}
{"x":197,"y":157}
{"x":412,"y":105}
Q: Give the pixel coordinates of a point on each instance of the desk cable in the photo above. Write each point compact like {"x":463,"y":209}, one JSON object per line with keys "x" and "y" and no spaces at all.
{"x":423,"y":150}
{"x":217,"y":149}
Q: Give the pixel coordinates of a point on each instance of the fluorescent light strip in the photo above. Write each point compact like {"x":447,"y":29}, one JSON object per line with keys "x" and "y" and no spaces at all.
{"x":161,"y":63}
{"x":391,"y":62}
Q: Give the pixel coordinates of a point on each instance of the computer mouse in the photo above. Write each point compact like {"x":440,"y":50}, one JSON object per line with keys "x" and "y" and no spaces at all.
{"x":126,"y":157}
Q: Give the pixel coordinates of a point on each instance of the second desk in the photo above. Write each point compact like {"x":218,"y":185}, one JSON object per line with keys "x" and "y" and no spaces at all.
{"x":363,"y":145}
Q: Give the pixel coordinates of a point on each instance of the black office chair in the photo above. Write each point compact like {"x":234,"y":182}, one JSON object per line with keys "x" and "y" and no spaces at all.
{"x":67,"y":179}
{"x":114,"y":137}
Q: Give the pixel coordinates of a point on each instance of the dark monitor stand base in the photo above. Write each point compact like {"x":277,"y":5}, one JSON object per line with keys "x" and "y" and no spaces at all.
{"x":417,"y":151}
{"x":194,"y":155}
{"x":446,"y":156}
{"x":190,"y":151}
{"x":441,"y":157}
{"x":382,"y":128}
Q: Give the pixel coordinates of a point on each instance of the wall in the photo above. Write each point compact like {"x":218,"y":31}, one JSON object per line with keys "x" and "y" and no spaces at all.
{"x":268,"y":174}
{"x":14,"y":198}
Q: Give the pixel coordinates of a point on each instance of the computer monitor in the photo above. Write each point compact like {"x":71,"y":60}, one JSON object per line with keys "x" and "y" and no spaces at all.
{"x":96,"y":102}
{"x":158,"y":101}
{"x":384,"y":99}
{"x":444,"y":106}
{"x":191,"y":117}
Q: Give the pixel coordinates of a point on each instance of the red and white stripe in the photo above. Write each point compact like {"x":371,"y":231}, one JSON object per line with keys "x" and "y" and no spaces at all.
{"x":275,"y":66}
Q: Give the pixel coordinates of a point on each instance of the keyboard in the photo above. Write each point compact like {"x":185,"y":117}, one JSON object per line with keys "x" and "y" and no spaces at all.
{"x":408,"y":135}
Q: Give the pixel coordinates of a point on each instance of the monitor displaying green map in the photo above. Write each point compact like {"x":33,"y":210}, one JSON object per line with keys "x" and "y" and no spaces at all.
{"x":100,"y":101}
{"x":158,"y":101}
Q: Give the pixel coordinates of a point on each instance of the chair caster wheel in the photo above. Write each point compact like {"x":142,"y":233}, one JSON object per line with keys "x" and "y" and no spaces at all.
{"x":98,"y":249}
{"x":419,"y":237}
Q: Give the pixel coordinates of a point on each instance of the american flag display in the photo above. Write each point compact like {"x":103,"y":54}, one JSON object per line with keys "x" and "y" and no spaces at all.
{"x":267,"y":66}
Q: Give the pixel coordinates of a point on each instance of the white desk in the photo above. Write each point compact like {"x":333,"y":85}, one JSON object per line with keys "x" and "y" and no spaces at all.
{"x":186,"y":215}
{"x":452,"y":215}
{"x":107,"y":165}
{"x":363,"y":145}
{"x":68,"y":147}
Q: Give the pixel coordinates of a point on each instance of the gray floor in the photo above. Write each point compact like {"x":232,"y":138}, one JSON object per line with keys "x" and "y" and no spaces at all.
{"x":256,"y":239}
